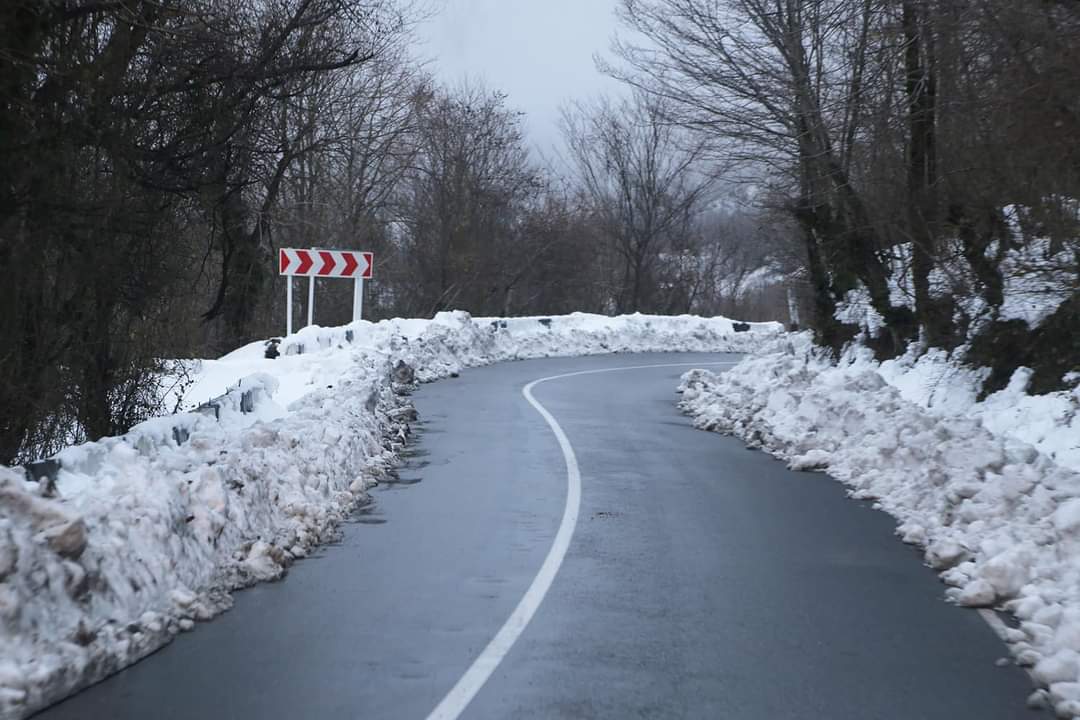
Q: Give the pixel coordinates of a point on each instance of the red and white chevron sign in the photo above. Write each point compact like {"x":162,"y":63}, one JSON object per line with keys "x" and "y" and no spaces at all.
{"x":325,"y":263}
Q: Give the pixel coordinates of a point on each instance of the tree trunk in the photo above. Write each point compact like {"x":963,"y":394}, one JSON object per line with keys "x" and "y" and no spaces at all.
{"x":921,"y":88}
{"x":828,"y":331}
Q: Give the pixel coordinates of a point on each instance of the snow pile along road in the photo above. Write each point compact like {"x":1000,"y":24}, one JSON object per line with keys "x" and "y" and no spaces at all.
{"x":130,"y":540}
{"x":995,"y":506}
{"x":452,"y":341}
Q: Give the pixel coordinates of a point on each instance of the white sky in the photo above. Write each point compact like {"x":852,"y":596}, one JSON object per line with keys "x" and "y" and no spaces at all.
{"x":539,"y":52}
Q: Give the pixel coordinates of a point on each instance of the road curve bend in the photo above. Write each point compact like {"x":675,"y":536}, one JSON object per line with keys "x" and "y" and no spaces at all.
{"x":577,"y":550}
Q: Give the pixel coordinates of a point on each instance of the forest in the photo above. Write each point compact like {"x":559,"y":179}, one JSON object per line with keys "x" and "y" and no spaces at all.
{"x":893,"y":172}
{"x":924,"y":155}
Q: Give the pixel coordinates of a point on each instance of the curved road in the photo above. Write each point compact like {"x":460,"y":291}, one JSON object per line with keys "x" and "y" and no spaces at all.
{"x":702,"y":581}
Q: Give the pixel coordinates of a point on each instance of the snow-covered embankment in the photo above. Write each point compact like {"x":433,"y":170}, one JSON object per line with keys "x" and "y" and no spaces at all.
{"x":142,"y":535}
{"x":990,"y":489}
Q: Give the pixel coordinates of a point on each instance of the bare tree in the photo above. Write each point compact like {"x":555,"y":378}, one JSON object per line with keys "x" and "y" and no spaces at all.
{"x":782,"y":83}
{"x":462,"y":202}
{"x":360,"y":129}
{"x":645,"y":179}
{"x":878,"y":124}
{"x":133,"y":133}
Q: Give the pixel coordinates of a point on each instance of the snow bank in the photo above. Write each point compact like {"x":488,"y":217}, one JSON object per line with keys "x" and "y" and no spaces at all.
{"x":144,"y":534}
{"x":316,"y":354}
{"x":937,"y":382}
{"x":136,"y":538}
{"x":995,"y":504}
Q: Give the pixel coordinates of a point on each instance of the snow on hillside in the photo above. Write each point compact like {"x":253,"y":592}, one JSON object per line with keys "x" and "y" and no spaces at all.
{"x":141,"y":536}
{"x":1038,"y":276}
{"x":990,"y":489}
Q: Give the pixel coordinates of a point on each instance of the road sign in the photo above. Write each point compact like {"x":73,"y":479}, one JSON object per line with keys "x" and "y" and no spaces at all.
{"x":314,"y":263}
{"x":325,"y":263}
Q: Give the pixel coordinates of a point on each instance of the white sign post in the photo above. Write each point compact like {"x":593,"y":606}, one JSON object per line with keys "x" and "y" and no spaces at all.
{"x":358,"y":298}
{"x":310,"y":301}
{"x":324,"y":263}
{"x":288,"y":306}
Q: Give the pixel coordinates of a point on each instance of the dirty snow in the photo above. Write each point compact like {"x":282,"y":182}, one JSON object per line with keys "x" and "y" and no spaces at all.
{"x":990,"y":490}
{"x":145,"y":534}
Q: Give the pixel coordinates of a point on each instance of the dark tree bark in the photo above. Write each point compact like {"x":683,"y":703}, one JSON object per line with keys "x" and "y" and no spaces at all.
{"x":922,"y":204}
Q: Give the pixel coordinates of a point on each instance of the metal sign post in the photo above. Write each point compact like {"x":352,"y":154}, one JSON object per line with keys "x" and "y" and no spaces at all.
{"x":288,"y":305}
{"x":310,"y":300}
{"x":324,"y":263}
{"x":358,"y":299}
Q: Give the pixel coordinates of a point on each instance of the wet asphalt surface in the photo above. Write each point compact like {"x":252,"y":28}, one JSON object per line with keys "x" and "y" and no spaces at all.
{"x":703,"y":581}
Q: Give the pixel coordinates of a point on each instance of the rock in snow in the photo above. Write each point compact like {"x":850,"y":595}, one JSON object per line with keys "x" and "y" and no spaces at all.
{"x":149,"y":532}
{"x":995,"y":504}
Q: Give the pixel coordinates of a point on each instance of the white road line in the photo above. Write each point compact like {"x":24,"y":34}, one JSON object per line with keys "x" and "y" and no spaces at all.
{"x":459,"y":697}
{"x":1002,"y":631}
{"x":996,"y":624}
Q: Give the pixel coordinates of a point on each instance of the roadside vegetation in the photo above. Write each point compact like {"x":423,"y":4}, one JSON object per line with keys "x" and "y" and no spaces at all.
{"x":922,"y":153}
{"x":901,"y":172}
{"x":157,"y":153}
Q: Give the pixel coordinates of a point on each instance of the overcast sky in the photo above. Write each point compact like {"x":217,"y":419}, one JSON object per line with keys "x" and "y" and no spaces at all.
{"x":539,"y":52}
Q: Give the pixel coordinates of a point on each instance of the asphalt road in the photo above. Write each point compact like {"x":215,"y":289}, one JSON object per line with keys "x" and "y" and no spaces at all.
{"x":703,"y":580}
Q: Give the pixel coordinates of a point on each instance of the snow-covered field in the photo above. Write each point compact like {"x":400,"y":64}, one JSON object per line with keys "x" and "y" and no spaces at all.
{"x":990,"y":489}
{"x":141,"y":536}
